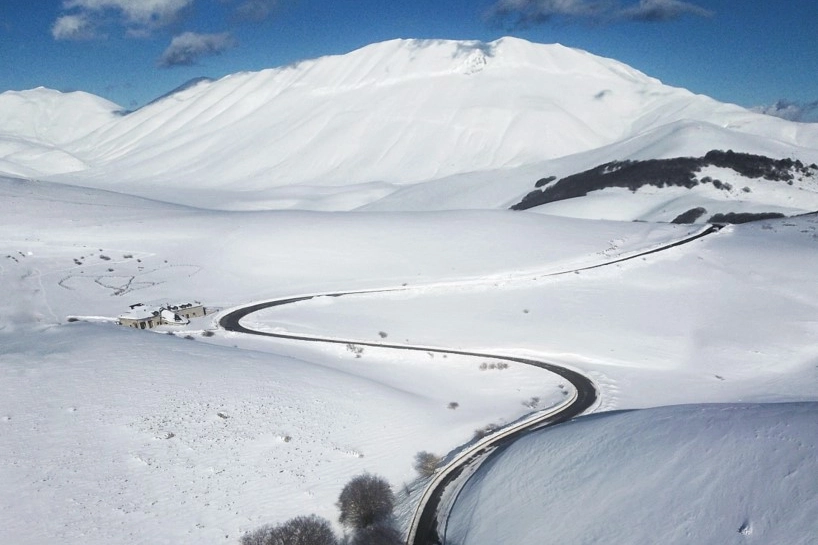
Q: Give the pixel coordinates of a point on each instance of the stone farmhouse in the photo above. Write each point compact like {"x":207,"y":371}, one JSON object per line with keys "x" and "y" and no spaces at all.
{"x":142,"y":316}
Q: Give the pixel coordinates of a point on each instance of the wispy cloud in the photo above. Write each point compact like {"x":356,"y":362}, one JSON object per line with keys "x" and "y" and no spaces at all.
{"x":521,"y":13}
{"x":256,"y":10}
{"x":661,"y":10}
{"x":74,"y":27}
{"x":187,"y":48}
{"x":793,"y":111}
{"x":531,"y":12}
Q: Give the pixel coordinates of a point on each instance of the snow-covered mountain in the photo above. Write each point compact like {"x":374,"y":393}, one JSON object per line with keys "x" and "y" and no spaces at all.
{"x":112,"y":434}
{"x":361,"y":129}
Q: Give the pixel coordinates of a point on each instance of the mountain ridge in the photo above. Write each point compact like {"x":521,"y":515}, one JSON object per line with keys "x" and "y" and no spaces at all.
{"x":346,"y":131}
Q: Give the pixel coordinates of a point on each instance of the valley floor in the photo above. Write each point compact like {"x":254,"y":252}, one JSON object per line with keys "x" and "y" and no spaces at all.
{"x":117,"y":435}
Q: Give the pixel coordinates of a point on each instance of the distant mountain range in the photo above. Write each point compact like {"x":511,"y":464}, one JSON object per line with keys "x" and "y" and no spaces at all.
{"x":413,"y":125}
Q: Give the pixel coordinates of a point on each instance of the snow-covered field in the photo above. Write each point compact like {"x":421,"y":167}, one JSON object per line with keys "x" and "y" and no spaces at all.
{"x":190,"y":434}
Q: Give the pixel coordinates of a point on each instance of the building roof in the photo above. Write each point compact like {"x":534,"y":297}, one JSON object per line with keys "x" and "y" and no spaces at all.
{"x":141,"y":311}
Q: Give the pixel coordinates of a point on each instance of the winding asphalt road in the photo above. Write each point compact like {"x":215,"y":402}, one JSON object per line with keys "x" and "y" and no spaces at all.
{"x":425,"y":524}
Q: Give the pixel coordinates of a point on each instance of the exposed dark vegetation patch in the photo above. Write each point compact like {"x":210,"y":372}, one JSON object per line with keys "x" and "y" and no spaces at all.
{"x":543,"y":181}
{"x":690,"y":216}
{"x":759,"y":166}
{"x":744,"y":217}
{"x":679,"y":172}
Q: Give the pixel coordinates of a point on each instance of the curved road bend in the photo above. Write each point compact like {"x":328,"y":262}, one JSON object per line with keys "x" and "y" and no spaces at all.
{"x":424,"y":529}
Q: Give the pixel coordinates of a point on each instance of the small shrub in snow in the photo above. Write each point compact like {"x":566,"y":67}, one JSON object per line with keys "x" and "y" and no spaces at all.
{"x":453,"y":405}
{"x":355,"y":349}
{"x":104,"y":257}
{"x":426,"y":463}
{"x":499,"y":365}
{"x":364,"y":501}
{"x":309,"y":530}
{"x":486,"y":430}
{"x":208,"y":333}
{"x":532,"y":403}
{"x":383,"y":334}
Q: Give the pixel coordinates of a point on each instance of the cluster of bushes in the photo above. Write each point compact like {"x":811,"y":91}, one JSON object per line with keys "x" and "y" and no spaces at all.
{"x":730,"y":217}
{"x":366,"y":504}
{"x":759,"y":166}
{"x":680,"y":171}
{"x":690,"y":216}
{"x":744,"y":217}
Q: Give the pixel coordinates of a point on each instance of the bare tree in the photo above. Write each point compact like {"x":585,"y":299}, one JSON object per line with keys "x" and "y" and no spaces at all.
{"x":364,"y":501}
{"x":426,"y":463}
{"x":310,"y":530}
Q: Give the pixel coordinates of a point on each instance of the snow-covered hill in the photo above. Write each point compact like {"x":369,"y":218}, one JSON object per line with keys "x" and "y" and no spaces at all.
{"x":363,"y":128}
{"x":706,"y":474}
{"x":38,"y":126}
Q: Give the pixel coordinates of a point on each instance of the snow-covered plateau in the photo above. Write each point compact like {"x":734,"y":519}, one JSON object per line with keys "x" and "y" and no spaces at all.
{"x":386,"y":174}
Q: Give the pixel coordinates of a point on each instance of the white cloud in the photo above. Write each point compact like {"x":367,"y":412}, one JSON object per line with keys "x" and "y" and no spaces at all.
{"x":73,"y":27}
{"x":187,"y":48}
{"x":136,"y":12}
{"x":140,"y":17}
{"x":806,"y":112}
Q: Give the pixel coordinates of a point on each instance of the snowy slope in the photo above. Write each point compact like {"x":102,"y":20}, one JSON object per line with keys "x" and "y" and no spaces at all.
{"x":706,"y":474}
{"x":359,"y":126}
{"x":37,"y":127}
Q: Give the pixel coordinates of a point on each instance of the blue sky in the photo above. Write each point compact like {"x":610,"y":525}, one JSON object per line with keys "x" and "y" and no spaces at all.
{"x":750,"y":52}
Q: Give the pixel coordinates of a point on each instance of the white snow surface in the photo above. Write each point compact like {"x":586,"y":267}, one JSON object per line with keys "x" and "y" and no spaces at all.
{"x":707,"y":474}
